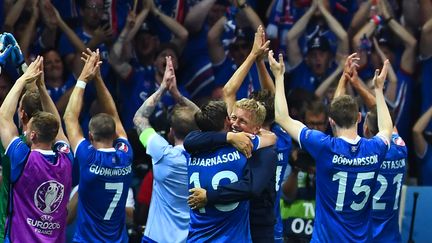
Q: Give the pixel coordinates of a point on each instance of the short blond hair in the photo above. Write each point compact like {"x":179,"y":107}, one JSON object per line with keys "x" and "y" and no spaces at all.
{"x":255,"y":107}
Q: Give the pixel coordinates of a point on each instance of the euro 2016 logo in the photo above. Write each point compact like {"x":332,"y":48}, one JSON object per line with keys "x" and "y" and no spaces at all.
{"x":48,"y":196}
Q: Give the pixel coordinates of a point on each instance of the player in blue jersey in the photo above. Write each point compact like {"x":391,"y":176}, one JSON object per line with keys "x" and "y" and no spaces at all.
{"x":262,"y":165}
{"x":266,"y":97}
{"x":346,"y":165}
{"x":104,"y":159}
{"x":258,"y":181}
{"x":214,"y":168}
{"x":386,"y":194}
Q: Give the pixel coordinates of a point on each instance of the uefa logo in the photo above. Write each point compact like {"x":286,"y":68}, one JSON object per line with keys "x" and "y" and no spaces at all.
{"x":48,"y":196}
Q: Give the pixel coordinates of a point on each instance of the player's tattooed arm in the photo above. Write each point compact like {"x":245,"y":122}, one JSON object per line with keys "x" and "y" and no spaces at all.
{"x":141,"y":118}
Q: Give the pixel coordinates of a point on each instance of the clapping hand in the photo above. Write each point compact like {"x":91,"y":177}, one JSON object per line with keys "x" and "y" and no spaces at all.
{"x":33,"y":71}
{"x":91,"y":65}
{"x":260,"y":46}
{"x":379,"y":78}
{"x":277,"y":68}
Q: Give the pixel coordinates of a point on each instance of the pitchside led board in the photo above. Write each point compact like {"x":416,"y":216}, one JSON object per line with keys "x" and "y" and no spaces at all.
{"x":422,"y":229}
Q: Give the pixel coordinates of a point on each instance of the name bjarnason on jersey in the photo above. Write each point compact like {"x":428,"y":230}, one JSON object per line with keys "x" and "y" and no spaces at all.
{"x":233,"y":156}
{"x":369,"y":160}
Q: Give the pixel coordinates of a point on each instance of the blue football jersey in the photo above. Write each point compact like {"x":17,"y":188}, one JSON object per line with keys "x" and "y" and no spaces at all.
{"x":218,"y":222}
{"x":105,"y":178}
{"x":386,"y":194}
{"x":283,"y":149}
{"x":346,"y":172}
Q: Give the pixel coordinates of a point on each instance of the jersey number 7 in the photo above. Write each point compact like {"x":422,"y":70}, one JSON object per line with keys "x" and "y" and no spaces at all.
{"x":118,"y":187}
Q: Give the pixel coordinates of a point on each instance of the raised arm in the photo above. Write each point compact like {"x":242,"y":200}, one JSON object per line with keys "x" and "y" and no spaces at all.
{"x":215,"y":47}
{"x":295,"y":54}
{"x":73,"y":108}
{"x":360,"y":17}
{"x":121,"y":51}
{"x":180,"y":33}
{"x":336,"y":27}
{"x":141,"y":118}
{"x":197,"y":14}
{"x":105,"y":99}
{"x":8,"y":130}
{"x":367,"y":97}
{"x":48,"y":37}
{"x":391,"y":89}
{"x":426,"y":39}
{"x":29,"y":32}
{"x":231,"y":87}
{"x":408,"y":59}
{"x":350,"y":64}
{"x":71,"y":35}
{"x":47,"y":103}
{"x":13,"y":15}
{"x":250,"y":14}
{"x":385,"y":124}
{"x":282,"y":117}
{"x":420,"y":143}
{"x":366,"y":31}
{"x":266,"y":82}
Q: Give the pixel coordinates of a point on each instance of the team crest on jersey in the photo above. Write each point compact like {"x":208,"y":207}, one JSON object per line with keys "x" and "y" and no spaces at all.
{"x":48,"y":196}
{"x":399,"y":141}
{"x":123,"y":147}
{"x":353,"y":149}
{"x":64,"y":148}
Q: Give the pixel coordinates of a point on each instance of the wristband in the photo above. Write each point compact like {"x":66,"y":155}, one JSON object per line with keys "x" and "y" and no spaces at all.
{"x":386,"y":21}
{"x":376,"y":19}
{"x":244,"y":5}
{"x":80,"y":84}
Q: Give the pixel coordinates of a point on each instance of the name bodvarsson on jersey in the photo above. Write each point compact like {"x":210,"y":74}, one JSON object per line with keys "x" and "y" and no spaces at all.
{"x":369,"y":160}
